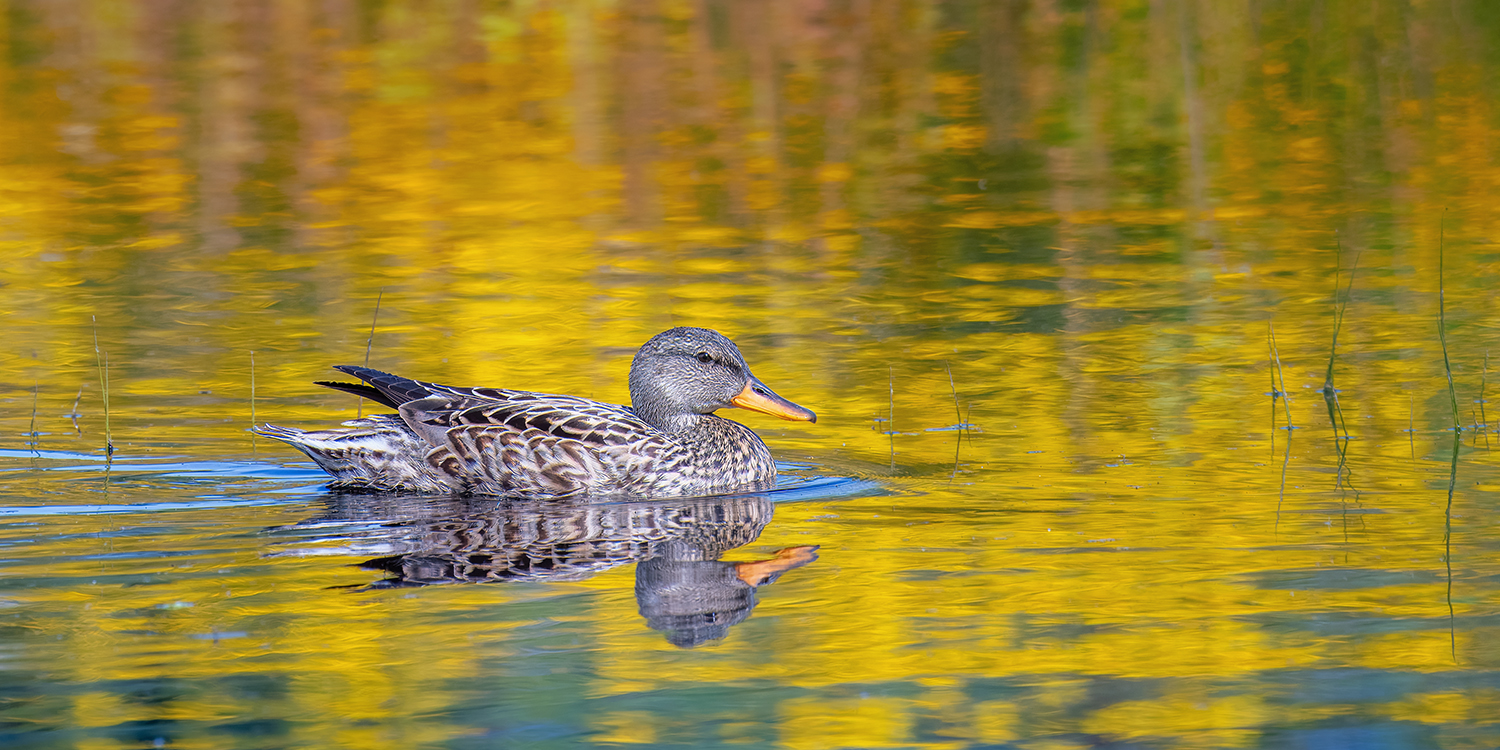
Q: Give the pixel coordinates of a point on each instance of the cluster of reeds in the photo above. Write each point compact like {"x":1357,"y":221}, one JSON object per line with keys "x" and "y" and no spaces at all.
{"x":1330,"y":392}
{"x":1340,"y":428}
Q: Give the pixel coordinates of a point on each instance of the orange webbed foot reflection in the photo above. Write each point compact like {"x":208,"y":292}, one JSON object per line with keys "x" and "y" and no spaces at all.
{"x":762,"y":572}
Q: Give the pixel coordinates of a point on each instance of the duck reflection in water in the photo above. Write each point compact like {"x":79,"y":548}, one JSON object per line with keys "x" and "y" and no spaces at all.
{"x":682,"y":587}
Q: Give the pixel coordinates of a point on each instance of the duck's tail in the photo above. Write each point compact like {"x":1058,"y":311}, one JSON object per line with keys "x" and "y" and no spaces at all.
{"x":377,"y":452}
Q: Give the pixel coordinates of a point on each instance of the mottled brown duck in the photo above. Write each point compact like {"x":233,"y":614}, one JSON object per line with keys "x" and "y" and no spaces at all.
{"x":495,"y":441}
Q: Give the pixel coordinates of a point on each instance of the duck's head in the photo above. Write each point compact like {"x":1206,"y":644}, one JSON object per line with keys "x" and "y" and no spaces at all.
{"x":691,"y":371}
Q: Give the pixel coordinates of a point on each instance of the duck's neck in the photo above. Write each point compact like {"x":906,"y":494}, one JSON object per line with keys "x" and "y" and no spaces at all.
{"x":678,"y":424}
{"x":711,"y":434}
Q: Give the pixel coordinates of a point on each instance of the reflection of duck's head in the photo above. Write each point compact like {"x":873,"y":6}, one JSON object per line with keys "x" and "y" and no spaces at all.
{"x":691,"y":600}
{"x":694,"y":600}
{"x":683,"y":373}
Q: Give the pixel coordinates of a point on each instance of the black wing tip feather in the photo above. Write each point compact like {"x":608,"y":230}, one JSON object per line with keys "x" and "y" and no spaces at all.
{"x":361,"y":390}
{"x":362,"y":372}
{"x":392,"y":390}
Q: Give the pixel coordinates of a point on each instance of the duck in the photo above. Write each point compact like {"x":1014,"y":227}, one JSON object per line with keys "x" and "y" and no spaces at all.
{"x":668,"y":442}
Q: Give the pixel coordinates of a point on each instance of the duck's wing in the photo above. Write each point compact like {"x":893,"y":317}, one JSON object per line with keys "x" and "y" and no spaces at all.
{"x":522,"y":443}
{"x":501,"y":441}
{"x":427,"y":405}
{"x":567,"y":417}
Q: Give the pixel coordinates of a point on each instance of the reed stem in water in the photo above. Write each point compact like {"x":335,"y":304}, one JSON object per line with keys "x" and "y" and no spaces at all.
{"x":1443,"y":330}
{"x":369,"y":342}
{"x":35,"y":389}
{"x":1484,"y":422}
{"x":890,"y":425}
{"x":101,"y":358}
{"x":1276,"y":355}
{"x":1338,"y":314}
{"x":1411,"y":424}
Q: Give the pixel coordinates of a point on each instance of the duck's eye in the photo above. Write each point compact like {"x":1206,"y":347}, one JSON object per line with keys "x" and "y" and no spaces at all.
{"x":705,"y":357}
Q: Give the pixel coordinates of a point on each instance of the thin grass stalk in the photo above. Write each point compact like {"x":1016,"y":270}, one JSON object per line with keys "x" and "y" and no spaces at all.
{"x":74,"y":415}
{"x":959,"y":415}
{"x":1411,"y":424}
{"x":1275,"y":393}
{"x":252,"y":400}
{"x":1484,"y":422}
{"x":370,"y":342}
{"x":1340,"y":443}
{"x":102,"y":360}
{"x":109,"y":440}
{"x":1276,"y":355}
{"x":1443,"y":332}
{"x":1448,"y":545}
{"x":890,"y":424}
{"x":1286,"y":460}
{"x":1330,"y":393}
{"x":958,"y":445}
{"x":35,"y":390}
{"x":963,"y":422}
{"x":1271,"y":363}
{"x":953,"y":389}
{"x":1338,"y":316}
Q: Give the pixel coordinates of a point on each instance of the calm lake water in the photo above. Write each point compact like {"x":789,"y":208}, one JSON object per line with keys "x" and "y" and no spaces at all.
{"x":1023,"y":259}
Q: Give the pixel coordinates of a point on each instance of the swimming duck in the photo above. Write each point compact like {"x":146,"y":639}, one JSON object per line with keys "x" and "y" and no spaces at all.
{"x":495,"y":441}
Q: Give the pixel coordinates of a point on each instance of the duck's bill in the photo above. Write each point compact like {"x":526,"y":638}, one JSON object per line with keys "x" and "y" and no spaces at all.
{"x":757,"y":397}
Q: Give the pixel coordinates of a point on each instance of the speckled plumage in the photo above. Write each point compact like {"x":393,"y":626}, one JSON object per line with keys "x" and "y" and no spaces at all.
{"x":495,"y":441}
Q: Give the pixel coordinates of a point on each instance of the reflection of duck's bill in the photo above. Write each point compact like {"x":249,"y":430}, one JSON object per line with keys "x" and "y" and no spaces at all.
{"x":762,"y":572}
{"x":757,"y":397}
